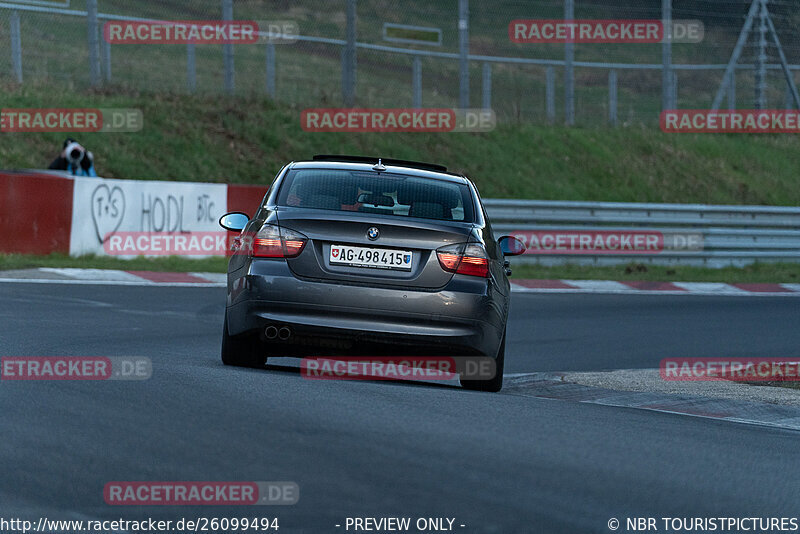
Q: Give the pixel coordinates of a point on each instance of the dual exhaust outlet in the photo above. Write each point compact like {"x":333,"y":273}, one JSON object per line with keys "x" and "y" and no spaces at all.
{"x":283,"y":333}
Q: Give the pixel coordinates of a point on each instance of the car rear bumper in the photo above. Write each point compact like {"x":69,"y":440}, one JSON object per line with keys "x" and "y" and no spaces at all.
{"x":466,"y":317}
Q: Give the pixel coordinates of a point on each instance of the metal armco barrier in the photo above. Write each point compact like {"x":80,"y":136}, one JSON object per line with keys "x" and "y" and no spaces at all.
{"x":41,"y":209}
{"x":732,"y":235}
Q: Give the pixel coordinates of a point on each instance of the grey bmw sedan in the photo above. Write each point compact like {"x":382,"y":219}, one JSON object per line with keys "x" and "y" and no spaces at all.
{"x":351,"y":256}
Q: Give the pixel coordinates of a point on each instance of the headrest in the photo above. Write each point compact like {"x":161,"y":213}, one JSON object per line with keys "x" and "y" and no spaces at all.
{"x":446,"y":196}
{"x":346,"y":191}
{"x":427,"y":210}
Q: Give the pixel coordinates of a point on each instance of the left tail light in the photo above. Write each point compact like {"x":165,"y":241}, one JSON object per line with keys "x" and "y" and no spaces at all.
{"x":273,"y":241}
{"x":471,"y":259}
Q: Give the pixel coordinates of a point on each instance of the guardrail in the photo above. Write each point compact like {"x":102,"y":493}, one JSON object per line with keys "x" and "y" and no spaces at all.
{"x":731,"y":235}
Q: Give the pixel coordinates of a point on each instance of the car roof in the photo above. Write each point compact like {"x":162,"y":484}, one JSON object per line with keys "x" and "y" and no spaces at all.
{"x":368,"y":167}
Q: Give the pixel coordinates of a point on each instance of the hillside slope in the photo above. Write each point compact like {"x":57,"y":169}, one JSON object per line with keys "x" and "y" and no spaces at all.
{"x":210,"y":138}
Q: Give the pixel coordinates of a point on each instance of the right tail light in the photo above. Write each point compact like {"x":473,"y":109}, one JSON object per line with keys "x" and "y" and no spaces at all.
{"x":470,"y":260}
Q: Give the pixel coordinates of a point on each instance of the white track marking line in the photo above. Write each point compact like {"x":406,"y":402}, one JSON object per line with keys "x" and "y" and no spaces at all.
{"x":91,"y":274}
{"x":711,"y":287}
{"x":217,"y":278}
{"x":599,"y":285}
{"x":122,"y":278}
{"x":141,"y":282}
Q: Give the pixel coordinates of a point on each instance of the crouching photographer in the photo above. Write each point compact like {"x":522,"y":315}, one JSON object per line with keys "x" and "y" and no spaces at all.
{"x":75,"y":159}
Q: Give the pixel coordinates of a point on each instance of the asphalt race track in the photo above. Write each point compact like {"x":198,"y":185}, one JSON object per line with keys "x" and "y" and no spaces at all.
{"x":495,"y":462}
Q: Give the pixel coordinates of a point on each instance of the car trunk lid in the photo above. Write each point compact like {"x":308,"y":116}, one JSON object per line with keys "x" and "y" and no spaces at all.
{"x":347,"y":233}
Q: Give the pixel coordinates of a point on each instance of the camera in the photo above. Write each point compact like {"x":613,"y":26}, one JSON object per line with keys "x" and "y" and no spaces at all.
{"x":74,"y":153}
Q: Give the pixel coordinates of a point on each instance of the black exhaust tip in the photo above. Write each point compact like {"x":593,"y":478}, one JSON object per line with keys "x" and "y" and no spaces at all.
{"x":284,"y":333}
{"x":271,"y":332}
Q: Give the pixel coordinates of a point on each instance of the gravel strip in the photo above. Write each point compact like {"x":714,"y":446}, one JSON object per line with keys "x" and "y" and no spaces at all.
{"x":649,"y":380}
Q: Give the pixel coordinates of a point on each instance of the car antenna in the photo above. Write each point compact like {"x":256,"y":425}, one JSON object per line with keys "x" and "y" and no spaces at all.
{"x":379,"y":166}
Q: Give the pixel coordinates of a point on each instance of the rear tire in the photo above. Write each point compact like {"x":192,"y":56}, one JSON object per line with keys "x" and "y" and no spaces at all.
{"x":494,"y":384}
{"x":244,"y":350}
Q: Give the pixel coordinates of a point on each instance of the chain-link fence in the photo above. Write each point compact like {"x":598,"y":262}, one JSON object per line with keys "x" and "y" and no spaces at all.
{"x":521,"y":82}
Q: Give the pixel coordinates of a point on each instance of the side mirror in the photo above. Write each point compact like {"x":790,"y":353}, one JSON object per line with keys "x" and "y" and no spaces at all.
{"x":234,"y":221}
{"x":511,"y":246}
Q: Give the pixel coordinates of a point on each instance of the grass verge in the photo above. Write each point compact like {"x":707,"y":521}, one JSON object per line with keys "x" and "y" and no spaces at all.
{"x":764,"y":273}
{"x":755,"y":273}
{"x":164,"y":264}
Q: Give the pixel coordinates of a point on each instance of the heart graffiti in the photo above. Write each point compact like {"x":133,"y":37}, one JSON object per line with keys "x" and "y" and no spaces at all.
{"x":108,"y":208}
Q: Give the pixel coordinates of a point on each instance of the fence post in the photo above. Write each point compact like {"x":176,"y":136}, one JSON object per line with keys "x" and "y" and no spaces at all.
{"x":612,"y":97}
{"x":106,"y":52}
{"x":416,"y":82}
{"x":349,"y":57}
{"x":463,"y":51}
{"x":760,"y":65}
{"x":569,"y":75}
{"x":16,"y":46}
{"x":666,"y":56}
{"x":732,"y":90}
{"x":227,"y":50}
{"x":487,"y":86}
{"x":271,"y":70}
{"x":94,"y":53}
{"x":674,"y":89}
{"x":191,"y":73}
{"x":550,"y":94}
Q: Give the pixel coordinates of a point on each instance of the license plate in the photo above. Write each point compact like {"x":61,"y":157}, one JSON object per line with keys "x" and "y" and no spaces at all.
{"x":378,"y":258}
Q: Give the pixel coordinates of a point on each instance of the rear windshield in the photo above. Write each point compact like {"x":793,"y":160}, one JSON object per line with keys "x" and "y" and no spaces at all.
{"x":380,"y":193}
